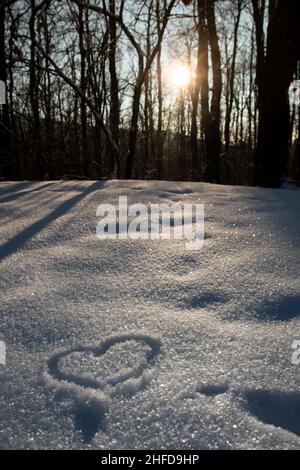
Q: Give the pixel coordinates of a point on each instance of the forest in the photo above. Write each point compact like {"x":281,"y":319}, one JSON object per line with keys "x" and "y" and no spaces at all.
{"x":184,"y":90}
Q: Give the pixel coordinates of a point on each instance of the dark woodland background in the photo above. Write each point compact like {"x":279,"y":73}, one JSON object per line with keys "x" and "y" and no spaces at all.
{"x":87,"y":95}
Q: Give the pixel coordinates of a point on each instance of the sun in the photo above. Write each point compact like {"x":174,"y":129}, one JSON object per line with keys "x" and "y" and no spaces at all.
{"x":180,"y":76}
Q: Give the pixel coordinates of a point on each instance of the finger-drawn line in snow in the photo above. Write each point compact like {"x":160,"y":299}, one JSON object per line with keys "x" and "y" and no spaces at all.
{"x":206,"y":299}
{"x":278,"y":408}
{"x":212,"y":389}
{"x":91,"y":396}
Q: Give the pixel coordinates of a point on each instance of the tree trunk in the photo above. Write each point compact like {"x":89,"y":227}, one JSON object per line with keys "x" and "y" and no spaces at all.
{"x":195,"y":94}
{"x":283,"y":53}
{"x":160,"y":143}
{"x":38,"y":167}
{"x":298,"y":149}
{"x":213,"y":136}
{"x":133,"y":131}
{"x":5,"y":150}
{"x":83,"y":86}
{"x":114,"y":117}
{"x":232,"y":77}
{"x":48,"y":94}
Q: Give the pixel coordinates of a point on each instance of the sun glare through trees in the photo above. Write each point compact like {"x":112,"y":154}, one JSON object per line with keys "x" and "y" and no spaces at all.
{"x":179,"y":76}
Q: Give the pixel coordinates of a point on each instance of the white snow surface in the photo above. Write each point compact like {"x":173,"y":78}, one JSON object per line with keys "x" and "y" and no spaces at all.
{"x":142,"y":344}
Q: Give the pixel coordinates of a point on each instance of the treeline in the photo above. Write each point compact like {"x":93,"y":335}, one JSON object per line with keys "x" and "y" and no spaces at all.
{"x":88,"y":91}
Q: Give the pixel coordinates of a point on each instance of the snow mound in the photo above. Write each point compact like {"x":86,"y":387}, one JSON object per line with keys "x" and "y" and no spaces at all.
{"x":141,"y":344}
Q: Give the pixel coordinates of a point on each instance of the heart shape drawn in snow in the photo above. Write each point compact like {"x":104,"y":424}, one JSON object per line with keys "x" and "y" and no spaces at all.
{"x":91,"y":395}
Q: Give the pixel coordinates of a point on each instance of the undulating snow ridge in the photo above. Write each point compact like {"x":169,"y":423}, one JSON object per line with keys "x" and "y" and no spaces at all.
{"x":222,"y":375}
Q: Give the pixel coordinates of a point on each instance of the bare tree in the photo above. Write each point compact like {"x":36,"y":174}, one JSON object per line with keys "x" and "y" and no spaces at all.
{"x":143,"y":70}
{"x":211,"y":111}
{"x":114,"y":118}
{"x":4,"y":123}
{"x":280,"y":62}
{"x":231,"y":76}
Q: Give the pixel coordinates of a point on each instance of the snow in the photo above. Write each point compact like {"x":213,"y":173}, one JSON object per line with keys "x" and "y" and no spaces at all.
{"x":130,"y":344}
